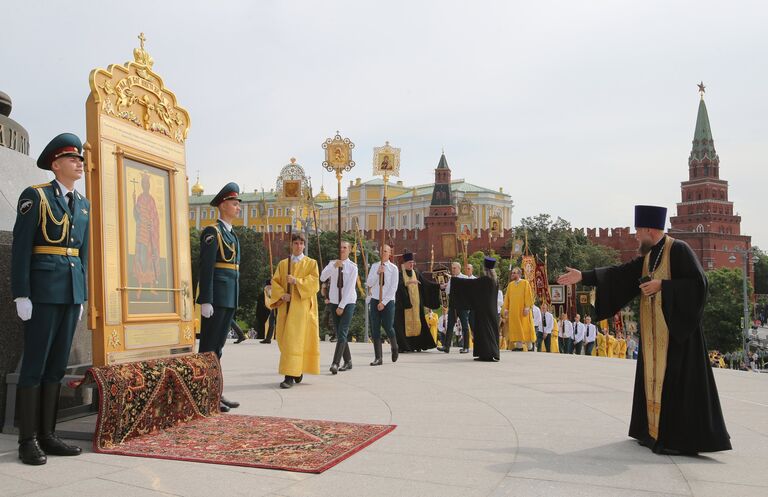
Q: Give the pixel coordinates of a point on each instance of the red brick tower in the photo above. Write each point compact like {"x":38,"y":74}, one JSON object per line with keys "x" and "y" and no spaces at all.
{"x":442,"y":213}
{"x":705,"y":217}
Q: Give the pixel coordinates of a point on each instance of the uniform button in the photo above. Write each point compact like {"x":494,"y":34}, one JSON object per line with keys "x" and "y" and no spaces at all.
{"x":72,"y":264}
{"x":72,"y":239}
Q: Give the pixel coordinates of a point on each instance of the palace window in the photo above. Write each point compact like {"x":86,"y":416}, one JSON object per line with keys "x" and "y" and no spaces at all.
{"x":405,"y":221}
{"x":417,"y":220}
{"x":204,"y":214}
{"x":192,"y":215}
{"x":253,"y":212}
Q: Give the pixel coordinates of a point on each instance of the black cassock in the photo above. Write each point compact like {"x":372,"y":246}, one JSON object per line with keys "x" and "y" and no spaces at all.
{"x":691,"y":419}
{"x":429,"y":295}
{"x":481,"y":297}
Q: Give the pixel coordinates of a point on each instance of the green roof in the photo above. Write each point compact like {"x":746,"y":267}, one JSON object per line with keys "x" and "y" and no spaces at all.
{"x":703,"y":144}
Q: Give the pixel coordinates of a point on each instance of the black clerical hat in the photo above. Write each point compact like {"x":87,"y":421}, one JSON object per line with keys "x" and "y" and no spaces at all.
{"x":229,"y":192}
{"x":407,"y":256}
{"x":489,"y":262}
{"x":64,"y":145}
{"x":650,"y":216}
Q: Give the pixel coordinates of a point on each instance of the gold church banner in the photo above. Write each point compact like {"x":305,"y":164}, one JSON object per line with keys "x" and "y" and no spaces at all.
{"x":140,"y":280}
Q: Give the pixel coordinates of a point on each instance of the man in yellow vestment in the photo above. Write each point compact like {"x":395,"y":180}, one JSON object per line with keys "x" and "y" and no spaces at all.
{"x":518,"y":301}
{"x":294,"y":292}
{"x":611,"y":346}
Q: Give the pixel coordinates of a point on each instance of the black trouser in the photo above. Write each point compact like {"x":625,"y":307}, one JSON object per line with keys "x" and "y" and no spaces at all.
{"x":539,"y":338}
{"x":271,"y":328}
{"x":578,"y":346}
{"x":341,"y":326}
{"x":47,"y":340}
{"x":590,"y":346}
{"x":238,"y":331}
{"x":214,"y":330}
{"x":548,"y":342}
{"x":562,"y":345}
{"x":464,"y":320}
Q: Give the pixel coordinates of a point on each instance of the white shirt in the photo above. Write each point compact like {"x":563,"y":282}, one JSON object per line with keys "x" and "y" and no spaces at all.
{"x":448,"y":285}
{"x":391,"y":278}
{"x":297,"y":258}
{"x":64,"y":190}
{"x":499,"y":302}
{"x":227,"y":226}
{"x":579,"y":331}
{"x":566,"y":329}
{"x":537,"y":317}
{"x":348,"y":292}
{"x":591,"y":332}
{"x":442,"y":323}
{"x":550,"y":323}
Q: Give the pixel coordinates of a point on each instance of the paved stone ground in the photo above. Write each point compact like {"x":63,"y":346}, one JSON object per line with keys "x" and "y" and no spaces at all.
{"x":533,"y":424}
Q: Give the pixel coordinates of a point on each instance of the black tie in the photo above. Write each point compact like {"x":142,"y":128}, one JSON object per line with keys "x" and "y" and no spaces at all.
{"x":544,"y":320}
{"x":71,"y":202}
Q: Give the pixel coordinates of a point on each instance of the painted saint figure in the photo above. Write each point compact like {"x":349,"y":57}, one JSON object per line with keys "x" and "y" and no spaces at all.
{"x":147,"y":255}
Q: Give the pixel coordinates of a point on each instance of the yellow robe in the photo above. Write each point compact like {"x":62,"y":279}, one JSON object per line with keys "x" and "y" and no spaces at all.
{"x":432,"y":322}
{"x":519,"y":327}
{"x":622,"y":348}
{"x":601,"y":342}
{"x":555,"y":347}
{"x":617,"y":347}
{"x":611,"y":347}
{"x":297,"y":332}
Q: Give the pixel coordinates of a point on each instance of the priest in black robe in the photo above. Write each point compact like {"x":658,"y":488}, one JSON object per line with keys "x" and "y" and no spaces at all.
{"x":414,"y":292}
{"x":676,"y":408}
{"x":480,"y":295}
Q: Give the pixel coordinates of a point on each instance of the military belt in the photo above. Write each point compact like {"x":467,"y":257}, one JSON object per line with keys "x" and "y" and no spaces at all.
{"x":44,"y":249}
{"x":225,"y":265}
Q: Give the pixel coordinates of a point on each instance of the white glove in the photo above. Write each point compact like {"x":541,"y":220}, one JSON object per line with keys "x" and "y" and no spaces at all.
{"x":81,"y":313}
{"x":24,"y":308}
{"x":206,"y":310}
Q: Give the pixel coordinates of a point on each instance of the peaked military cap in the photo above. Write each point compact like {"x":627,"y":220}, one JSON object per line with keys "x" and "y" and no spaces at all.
{"x":230,"y":192}
{"x":64,"y":145}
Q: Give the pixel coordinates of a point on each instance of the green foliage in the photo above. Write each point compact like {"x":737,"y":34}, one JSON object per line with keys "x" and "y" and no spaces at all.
{"x":724,"y":310}
{"x":761,"y":271}
{"x":254,"y":269}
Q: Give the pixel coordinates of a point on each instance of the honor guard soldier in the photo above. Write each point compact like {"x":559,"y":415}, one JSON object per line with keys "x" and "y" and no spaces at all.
{"x":48,"y":279}
{"x":220,"y":277}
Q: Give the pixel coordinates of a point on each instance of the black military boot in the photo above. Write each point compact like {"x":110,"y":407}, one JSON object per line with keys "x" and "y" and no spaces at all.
{"x":337,"y":356}
{"x":393,"y":347}
{"x":376,"y":352}
{"x":28,"y":414}
{"x":49,"y":408}
{"x":347,"y":358}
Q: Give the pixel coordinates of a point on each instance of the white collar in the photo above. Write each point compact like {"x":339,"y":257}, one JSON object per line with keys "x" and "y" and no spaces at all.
{"x":227,"y":226}
{"x":64,"y":190}
{"x":297,"y":258}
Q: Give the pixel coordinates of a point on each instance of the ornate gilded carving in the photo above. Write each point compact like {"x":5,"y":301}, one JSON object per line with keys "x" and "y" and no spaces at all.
{"x":187,"y":333}
{"x":114,"y":339}
{"x":136,"y":94}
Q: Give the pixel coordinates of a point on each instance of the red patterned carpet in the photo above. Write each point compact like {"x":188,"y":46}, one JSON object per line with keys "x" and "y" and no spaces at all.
{"x":260,"y":442}
{"x":168,"y":409}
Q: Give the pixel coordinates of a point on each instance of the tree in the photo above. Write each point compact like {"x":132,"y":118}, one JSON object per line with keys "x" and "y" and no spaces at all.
{"x":724,"y":310}
{"x":761,"y":271}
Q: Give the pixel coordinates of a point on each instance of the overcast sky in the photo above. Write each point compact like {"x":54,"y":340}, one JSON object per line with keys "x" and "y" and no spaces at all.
{"x":578,"y":109}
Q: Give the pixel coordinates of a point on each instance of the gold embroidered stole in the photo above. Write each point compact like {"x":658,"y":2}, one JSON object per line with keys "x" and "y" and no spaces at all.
{"x":655,"y":340}
{"x":412,"y":315}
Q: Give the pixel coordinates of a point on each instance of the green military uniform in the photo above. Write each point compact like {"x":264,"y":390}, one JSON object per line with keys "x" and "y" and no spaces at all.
{"x":49,"y":264}
{"x":219,"y":281}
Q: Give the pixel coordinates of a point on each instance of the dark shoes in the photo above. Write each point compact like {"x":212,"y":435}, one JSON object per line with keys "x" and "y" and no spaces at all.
{"x":377,"y":362}
{"x":334,"y":368}
{"x":53,"y":445}
{"x":288,"y":382}
{"x":265,"y":341}
{"x":31,"y":453}
{"x":464,"y":351}
{"x":395,"y":350}
{"x":230,"y":403}
{"x":447,"y":350}
{"x":297,"y":379}
{"x":241,"y":339}
{"x":223,"y":407}
{"x":347,"y":366}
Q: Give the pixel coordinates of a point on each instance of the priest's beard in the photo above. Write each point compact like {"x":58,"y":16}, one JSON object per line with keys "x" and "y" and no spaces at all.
{"x":645,"y":247}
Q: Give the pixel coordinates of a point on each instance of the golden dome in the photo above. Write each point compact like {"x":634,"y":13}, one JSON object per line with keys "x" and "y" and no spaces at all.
{"x":197,"y":188}
{"x":322,"y":196}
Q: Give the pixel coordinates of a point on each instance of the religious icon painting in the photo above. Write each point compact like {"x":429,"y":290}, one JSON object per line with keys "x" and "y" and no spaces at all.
{"x":386,"y":160}
{"x":557,"y":294}
{"x":292,"y":189}
{"x":147,"y":235}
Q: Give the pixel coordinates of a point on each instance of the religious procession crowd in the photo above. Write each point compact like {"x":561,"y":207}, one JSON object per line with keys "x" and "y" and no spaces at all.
{"x":676,"y":407}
